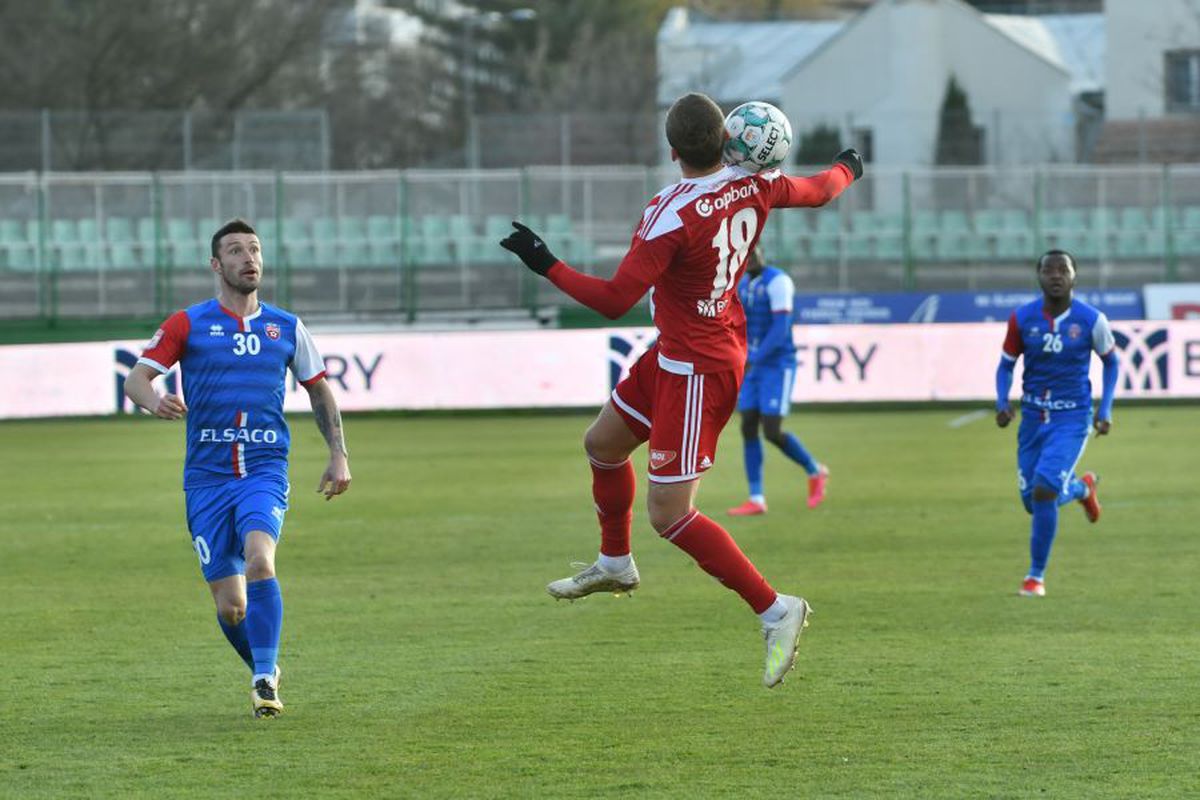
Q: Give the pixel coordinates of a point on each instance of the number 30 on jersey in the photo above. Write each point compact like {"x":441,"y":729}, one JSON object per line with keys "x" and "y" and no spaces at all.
{"x":244,"y":343}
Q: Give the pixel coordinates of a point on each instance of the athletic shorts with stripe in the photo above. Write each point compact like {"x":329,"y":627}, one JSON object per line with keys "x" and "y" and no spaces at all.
{"x":681,"y":415}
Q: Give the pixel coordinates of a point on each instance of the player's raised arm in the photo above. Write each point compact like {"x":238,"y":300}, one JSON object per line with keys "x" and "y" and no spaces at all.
{"x":613,"y":298}
{"x":789,"y":191}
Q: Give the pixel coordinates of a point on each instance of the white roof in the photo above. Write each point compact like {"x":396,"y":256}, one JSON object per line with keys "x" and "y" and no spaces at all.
{"x":1075,"y":42}
{"x":736,"y":61}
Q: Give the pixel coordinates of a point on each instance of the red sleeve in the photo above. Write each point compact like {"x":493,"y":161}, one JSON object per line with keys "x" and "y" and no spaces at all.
{"x":637,"y":272}
{"x":815,"y":190}
{"x":166,"y":347}
{"x":1014,"y":345}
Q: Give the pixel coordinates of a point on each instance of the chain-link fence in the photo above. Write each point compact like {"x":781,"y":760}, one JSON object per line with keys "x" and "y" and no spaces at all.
{"x":416,"y":242}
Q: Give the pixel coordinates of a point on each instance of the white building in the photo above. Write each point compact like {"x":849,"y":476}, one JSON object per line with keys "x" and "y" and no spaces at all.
{"x":880,"y":77}
{"x":1152,"y":99}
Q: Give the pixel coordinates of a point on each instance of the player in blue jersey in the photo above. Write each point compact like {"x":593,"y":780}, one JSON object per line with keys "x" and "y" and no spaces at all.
{"x":234,"y":353}
{"x":1057,"y":336}
{"x":767,"y":294}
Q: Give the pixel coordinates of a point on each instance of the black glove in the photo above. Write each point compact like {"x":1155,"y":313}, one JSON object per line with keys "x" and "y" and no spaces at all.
{"x":851,"y":159}
{"x":530,"y":248}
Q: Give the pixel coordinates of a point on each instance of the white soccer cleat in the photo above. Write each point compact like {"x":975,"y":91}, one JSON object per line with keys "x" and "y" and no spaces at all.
{"x":595,"y":579}
{"x":782,"y":638}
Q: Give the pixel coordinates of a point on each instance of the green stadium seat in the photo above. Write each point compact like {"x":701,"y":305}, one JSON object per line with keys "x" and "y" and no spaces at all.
{"x":180,"y":230}
{"x":64,"y":231}
{"x":325,"y":229}
{"x":268,"y":230}
{"x":145,"y":230}
{"x":382,"y":253}
{"x":125,"y":255}
{"x":1135,"y":219}
{"x":12,"y":231}
{"x":378,"y":228}
{"x":1131,"y":244}
{"x":1014,"y":245}
{"x":860,"y":247}
{"x":294,"y":229}
{"x":827,"y":221}
{"x":352,"y":229}
{"x":33,"y":231}
{"x":989,"y":220}
{"x":954,"y":222}
{"x":19,"y":256}
{"x":1015,"y":219}
{"x":89,"y":230}
{"x":118,"y":229}
{"x":325,"y":253}
{"x":1103,"y":219}
{"x":299,"y":253}
{"x":824,"y":246}
{"x":1189,"y":220}
{"x":558,"y":224}
{"x":925,"y":221}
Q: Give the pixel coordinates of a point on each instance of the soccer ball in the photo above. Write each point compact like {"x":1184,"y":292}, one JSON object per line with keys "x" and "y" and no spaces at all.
{"x":759,"y":136}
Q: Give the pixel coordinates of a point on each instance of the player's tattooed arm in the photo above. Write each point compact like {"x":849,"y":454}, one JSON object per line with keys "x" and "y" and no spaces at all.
{"x":328,"y":417}
{"x":336,"y":477}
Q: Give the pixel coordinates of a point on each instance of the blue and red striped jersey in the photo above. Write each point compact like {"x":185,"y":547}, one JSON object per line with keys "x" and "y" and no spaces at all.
{"x":1058,"y":352}
{"x":234,"y":372}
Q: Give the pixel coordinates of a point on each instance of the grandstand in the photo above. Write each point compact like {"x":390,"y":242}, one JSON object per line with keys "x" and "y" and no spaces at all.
{"x":407,"y":244}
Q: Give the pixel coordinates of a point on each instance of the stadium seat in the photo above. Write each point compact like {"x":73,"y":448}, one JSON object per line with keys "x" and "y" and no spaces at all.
{"x":1015,"y":219}
{"x":125,"y":255}
{"x":145,"y":231}
{"x":988,"y":220}
{"x":954,"y":222}
{"x":179,"y":230}
{"x":558,"y":224}
{"x":1135,"y":219}
{"x":325,"y":229}
{"x":89,"y":230}
{"x":12,"y":231}
{"x":325,"y":253}
{"x":299,"y":253}
{"x":378,"y":228}
{"x":118,"y":229}
{"x":353,"y":253}
{"x":352,"y":228}
{"x":1103,"y":219}
{"x":295,"y":229}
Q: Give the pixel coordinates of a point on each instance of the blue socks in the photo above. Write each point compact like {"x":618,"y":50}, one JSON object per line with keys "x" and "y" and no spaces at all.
{"x":796,"y":452}
{"x":1045,"y":525}
{"x":264,"y":619}
{"x":236,"y":634}
{"x":752,"y":450}
{"x":1077,"y":490}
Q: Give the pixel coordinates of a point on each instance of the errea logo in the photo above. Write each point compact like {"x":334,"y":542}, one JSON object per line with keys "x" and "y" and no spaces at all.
{"x":216,"y":330}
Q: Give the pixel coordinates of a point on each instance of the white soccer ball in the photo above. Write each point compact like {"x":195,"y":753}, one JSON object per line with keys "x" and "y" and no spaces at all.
{"x":760,"y":136}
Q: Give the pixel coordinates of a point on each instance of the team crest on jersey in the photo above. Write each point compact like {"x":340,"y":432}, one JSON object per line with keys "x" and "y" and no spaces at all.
{"x":272,"y":330}
{"x":1074,"y":331}
{"x":154,"y":340}
{"x":660,"y":458}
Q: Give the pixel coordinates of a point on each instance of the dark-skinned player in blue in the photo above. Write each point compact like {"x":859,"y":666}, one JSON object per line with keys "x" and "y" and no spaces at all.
{"x":1057,"y":335}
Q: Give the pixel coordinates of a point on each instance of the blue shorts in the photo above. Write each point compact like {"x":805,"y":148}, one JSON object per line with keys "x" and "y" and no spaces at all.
{"x":1047,"y":452}
{"x":220,"y":517}
{"x":767,"y":390}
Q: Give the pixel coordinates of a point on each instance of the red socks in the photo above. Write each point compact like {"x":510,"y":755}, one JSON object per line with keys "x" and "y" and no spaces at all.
{"x":718,"y":554}
{"x":613,"y":487}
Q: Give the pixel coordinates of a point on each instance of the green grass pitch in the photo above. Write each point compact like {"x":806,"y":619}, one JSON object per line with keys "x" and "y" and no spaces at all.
{"x":423,"y":658}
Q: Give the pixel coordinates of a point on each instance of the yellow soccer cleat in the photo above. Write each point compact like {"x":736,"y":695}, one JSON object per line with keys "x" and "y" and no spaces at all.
{"x":264,"y":697}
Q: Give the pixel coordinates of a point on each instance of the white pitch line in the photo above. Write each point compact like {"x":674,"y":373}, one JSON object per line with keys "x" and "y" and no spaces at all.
{"x":967,"y":419}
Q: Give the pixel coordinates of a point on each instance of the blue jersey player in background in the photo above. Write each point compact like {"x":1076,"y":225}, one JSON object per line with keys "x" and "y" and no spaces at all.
{"x":1057,"y":336}
{"x":767,"y":295}
{"x":234,"y":354}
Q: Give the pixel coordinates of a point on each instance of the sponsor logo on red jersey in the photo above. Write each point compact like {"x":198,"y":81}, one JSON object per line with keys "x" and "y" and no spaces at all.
{"x":660,"y":458}
{"x":272,"y":330}
{"x":705,"y":207}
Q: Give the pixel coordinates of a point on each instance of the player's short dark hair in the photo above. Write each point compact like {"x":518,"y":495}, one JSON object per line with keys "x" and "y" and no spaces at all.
{"x":236,"y":225}
{"x":696,"y":129}
{"x":1070,"y":259}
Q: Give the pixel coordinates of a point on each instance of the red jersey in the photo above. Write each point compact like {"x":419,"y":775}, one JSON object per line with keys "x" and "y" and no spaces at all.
{"x":690,"y":246}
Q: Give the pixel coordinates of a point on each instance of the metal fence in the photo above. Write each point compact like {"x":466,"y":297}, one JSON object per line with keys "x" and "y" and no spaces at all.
{"x":415,"y":242}
{"x":148,"y":140}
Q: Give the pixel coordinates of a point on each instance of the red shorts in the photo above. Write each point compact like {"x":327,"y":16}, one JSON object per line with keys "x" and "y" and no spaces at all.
{"x":681,"y":415}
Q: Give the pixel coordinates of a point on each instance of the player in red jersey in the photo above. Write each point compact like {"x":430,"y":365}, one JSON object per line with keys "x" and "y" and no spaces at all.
{"x":689,"y":247}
